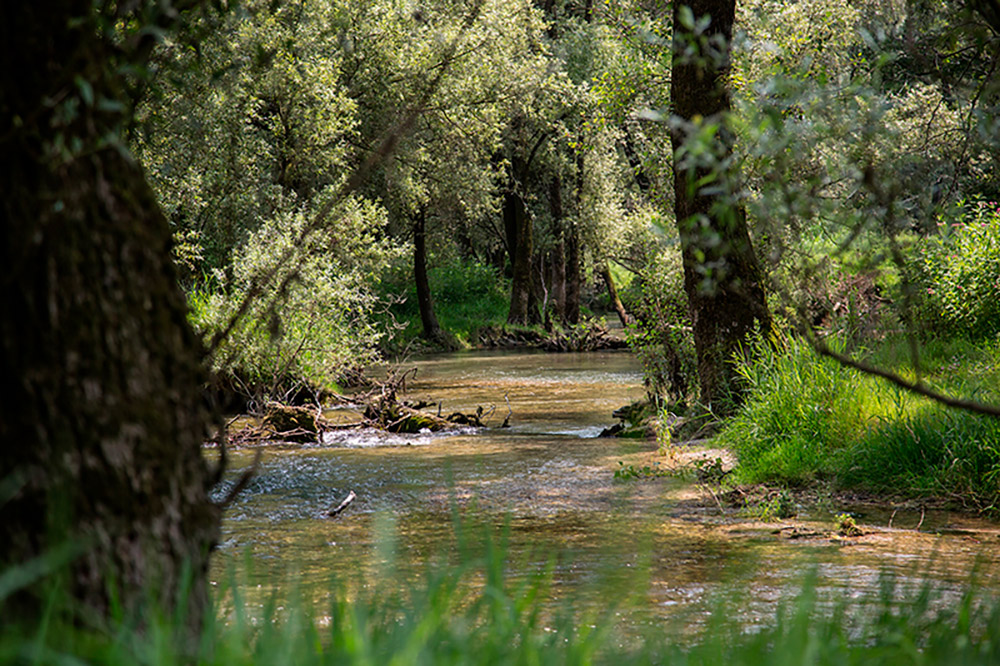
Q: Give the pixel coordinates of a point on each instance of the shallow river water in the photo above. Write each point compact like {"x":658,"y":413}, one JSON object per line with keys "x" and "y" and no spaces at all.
{"x":546,"y":484}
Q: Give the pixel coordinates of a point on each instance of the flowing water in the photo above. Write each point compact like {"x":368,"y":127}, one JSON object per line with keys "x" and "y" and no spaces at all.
{"x":547,"y":484}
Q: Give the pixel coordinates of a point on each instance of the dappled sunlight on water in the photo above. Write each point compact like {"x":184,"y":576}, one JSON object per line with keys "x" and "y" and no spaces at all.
{"x":545,"y":486}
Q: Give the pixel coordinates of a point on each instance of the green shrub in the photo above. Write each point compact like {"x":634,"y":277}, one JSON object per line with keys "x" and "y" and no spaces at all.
{"x":801,"y":414}
{"x":661,"y":336}
{"x":958,"y":273}
{"x":934,"y":451}
{"x":312,"y":321}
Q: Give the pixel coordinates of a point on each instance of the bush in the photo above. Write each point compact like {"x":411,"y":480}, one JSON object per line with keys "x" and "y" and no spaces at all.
{"x":801,"y":414}
{"x":661,"y":335}
{"x":958,"y":273}
{"x":312,"y":321}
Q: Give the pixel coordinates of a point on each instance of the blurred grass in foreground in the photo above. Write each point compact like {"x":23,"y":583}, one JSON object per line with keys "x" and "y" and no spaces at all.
{"x":469,"y":612}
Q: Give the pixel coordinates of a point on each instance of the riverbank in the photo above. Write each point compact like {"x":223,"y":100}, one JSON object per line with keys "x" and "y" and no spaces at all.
{"x":818,"y":513}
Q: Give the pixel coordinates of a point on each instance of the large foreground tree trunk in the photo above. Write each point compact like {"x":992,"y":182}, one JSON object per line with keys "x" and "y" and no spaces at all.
{"x":721,"y":274}
{"x":103,"y":414}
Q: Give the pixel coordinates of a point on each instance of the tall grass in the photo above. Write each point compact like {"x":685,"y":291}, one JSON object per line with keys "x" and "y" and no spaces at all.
{"x":467,"y":297}
{"x":470,"y":613}
{"x":808,"y":418}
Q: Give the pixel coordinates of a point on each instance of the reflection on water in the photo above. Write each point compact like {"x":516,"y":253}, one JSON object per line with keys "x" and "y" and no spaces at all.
{"x":546,"y":483}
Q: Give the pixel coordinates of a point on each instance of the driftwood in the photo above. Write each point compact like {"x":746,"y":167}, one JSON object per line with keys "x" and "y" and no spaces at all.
{"x":402,"y":417}
{"x":343,"y":504}
{"x":583,"y":338}
{"x":382,"y":410}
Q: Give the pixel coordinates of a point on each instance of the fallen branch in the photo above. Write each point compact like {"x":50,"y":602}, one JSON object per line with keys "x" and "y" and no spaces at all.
{"x":241,"y":483}
{"x":343,"y":505}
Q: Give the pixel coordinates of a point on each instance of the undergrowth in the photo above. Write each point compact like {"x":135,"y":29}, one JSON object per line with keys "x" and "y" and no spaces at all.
{"x":467,"y":297}
{"x":809,"y":418}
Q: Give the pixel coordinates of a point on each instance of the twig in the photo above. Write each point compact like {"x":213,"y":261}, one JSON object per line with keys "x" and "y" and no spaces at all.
{"x":917,"y":528}
{"x":241,"y":483}
{"x":343,"y":505}
{"x":892,"y":516}
{"x":712,"y":493}
{"x":919,"y":388}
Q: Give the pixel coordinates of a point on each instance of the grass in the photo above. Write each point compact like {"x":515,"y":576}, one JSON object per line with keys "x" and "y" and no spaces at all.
{"x":809,"y":418}
{"x":466,"y":296}
{"x":468,"y":612}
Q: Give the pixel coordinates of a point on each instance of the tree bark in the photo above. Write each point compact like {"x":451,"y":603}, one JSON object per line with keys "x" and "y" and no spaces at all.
{"x":572,"y":240}
{"x":722,"y":278}
{"x":432,"y":331}
{"x":104,"y":417}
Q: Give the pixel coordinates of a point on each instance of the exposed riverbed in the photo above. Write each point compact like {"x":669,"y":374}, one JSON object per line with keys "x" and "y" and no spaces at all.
{"x":548,"y":483}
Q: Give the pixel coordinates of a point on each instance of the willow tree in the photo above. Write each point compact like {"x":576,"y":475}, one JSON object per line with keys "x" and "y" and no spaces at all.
{"x":722,"y":277}
{"x":103,"y":417}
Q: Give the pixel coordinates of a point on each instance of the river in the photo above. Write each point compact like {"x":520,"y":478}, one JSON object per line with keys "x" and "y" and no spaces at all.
{"x":546,"y":486}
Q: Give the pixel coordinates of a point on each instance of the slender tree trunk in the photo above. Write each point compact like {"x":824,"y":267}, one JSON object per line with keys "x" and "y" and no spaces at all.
{"x":641,"y":177}
{"x":613,"y":298}
{"x":721,"y":275}
{"x":572,"y":240}
{"x":559,"y":250}
{"x":103,"y":415}
{"x":519,"y":236}
{"x":572,"y":312}
{"x":432,"y":331}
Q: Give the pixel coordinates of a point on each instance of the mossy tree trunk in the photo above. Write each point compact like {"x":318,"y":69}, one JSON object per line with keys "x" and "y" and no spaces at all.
{"x":722,"y":278}
{"x":103,"y":414}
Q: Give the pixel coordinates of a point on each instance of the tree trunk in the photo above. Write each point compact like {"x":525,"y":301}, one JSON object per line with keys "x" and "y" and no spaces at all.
{"x":721,"y":275}
{"x":516,"y":219}
{"x":432,"y":331}
{"x":559,"y":250}
{"x":613,"y":299}
{"x":635,"y":163}
{"x":572,"y":240}
{"x":104,"y":417}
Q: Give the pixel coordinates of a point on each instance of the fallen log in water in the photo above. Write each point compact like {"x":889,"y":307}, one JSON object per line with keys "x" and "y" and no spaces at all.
{"x":382,"y":410}
{"x":399,"y":417}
